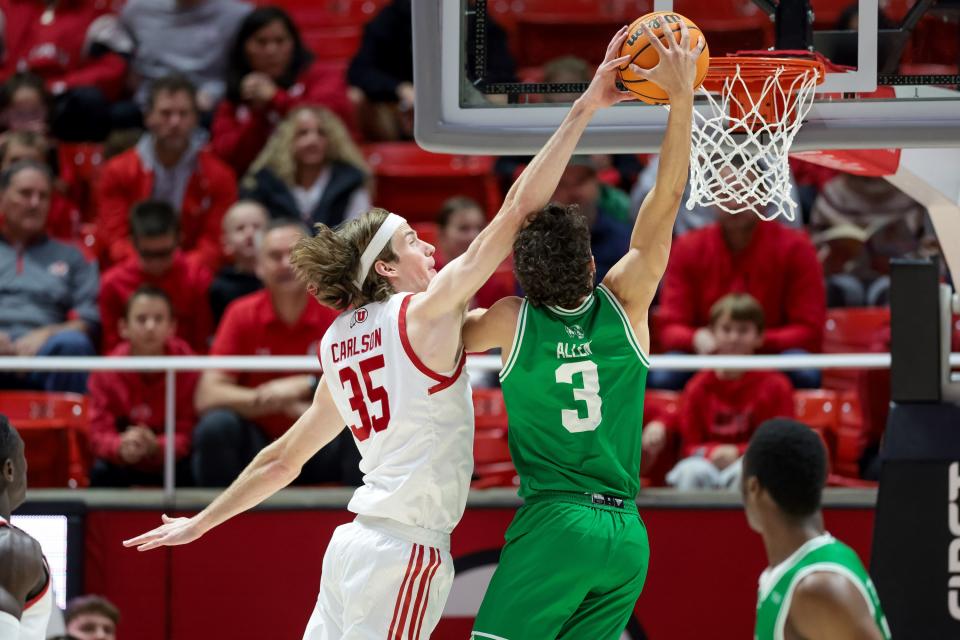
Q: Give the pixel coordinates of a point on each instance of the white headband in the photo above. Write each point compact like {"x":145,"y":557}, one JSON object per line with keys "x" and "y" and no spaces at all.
{"x":376,"y":245}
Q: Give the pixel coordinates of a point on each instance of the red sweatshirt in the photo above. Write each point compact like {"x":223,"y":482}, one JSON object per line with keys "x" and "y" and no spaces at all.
{"x":779,"y":268}
{"x":240,"y":133}
{"x":119,"y":399}
{"x":58,"y":48}
{"x":187,"y":284}
{"x":715,"y":411}
{"x":125,"y":181}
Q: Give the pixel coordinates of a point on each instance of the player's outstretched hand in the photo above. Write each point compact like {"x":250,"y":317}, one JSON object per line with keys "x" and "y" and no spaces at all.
{"x":603,"y":91}
{"x":677,"y":70}
{"x":172,"y":532}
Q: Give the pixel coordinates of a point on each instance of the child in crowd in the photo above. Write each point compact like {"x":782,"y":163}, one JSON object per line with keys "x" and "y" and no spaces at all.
{"x":719,"y":410}
{"x":127,"y":407}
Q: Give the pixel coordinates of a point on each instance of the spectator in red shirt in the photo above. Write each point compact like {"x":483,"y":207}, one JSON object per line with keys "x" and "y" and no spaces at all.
{"x":160,"y":264}
{"x":719,"y":410}
{"x":64,"y":218}
{"x":77,"y":49}
{"x":243,"y":227}
{"x":461,"y":220}
{"x":245,"y":411}
{"x":127,"y":407}
{"x":169,"y":163}
{"x":270,"y":73}
{"x":739,"y":253}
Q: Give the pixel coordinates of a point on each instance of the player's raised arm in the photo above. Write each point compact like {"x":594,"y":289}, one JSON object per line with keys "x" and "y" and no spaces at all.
{"x":275,"y":467}
{"x":635,"y":277}
{"x":459,"y":281}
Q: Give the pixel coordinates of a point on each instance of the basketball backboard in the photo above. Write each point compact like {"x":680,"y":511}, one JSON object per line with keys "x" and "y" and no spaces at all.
{"x":898,"y":87}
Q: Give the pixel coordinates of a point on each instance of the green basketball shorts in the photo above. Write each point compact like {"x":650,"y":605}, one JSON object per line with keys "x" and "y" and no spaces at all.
{"x":572,"y":567}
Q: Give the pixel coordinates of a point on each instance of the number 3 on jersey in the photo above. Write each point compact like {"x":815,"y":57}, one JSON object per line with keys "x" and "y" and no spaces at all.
{"x":589,"y":394}
{"x":348,"y":377}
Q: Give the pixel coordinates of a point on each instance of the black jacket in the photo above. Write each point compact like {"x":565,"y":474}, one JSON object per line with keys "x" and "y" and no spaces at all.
{"x":273,"y":193}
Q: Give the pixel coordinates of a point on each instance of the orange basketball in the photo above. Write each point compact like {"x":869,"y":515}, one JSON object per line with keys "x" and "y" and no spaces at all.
{"x":645,"y":56}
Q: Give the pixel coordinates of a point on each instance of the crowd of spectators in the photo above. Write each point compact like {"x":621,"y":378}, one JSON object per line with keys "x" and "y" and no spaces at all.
{"x":225,"y":139}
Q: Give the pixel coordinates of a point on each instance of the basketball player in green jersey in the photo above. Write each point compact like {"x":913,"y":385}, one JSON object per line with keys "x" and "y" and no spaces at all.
{"x":815,"y":587}
{"x":575,"y":367}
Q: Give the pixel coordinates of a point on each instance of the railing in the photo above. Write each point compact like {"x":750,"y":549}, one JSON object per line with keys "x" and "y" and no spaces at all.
{"x":170,"y":365}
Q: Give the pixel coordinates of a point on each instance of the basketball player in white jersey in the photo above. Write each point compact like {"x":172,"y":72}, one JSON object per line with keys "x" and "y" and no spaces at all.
{"x":26,"y":599}
{"x":393,"y":371}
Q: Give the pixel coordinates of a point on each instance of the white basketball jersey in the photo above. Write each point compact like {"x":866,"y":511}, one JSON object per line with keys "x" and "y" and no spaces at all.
{"x":36,"y":612}
{"x":413,"y":426}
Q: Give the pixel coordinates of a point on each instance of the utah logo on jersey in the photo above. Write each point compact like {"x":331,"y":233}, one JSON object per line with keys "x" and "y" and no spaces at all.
{"x":575,"y":331}
{"x":359,"y":316}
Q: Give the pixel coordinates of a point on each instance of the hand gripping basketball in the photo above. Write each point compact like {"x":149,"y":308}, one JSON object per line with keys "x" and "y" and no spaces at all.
{"x":603,"y":91}
{"x":676,"y":73}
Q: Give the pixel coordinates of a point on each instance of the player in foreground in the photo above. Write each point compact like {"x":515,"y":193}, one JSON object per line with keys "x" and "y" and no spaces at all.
{"x":815,"y":587}
{"x":392,"y":364}
{"x":26,"y":599}
{"x":576,"y":554}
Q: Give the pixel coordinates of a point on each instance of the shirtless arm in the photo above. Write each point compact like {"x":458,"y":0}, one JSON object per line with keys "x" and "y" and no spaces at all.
{"x":22,"y":571}
{"x":440,"y":309}
{"x":275,"y":467}
{"x":634,"y":279}
{"x":492,"y":328}
{"x":827,"y":606}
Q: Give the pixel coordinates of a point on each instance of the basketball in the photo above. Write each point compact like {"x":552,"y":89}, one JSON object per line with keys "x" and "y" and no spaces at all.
{"x":645,"y":56}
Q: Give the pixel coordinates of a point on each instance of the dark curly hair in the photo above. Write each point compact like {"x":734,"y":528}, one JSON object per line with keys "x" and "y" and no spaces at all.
{"x":552,"y":256}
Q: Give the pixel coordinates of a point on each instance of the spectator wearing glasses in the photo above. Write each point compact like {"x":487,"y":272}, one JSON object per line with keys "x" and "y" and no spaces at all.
{"x":160,"y":263}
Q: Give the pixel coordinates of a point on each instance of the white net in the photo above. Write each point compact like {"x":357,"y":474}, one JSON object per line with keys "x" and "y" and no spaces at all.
{"x":739,"y":156}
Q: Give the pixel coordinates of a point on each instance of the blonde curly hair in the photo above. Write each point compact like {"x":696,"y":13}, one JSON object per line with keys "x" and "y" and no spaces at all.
{"x":277,"y":154}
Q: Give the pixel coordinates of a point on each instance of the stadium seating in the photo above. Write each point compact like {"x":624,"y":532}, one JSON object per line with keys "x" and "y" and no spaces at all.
{"x":54,"y":430}
{"x":415,"y":183}
{"x":489,"y":410}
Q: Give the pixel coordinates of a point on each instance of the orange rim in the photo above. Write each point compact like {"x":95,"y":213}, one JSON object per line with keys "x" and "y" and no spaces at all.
{"x":755,"y":70}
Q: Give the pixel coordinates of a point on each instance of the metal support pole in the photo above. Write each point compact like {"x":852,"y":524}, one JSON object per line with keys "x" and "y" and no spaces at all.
{"x":170,"y":432}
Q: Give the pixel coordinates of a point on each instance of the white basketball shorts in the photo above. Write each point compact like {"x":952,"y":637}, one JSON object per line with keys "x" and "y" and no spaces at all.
{"x":378,"y":584}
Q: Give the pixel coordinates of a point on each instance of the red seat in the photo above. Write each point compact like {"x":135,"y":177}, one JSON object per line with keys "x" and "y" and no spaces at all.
{"x":857,"y":329}
{"x":817,"y":408}
{"x":851,"y":435}
{"x":332,"y":44}
{"x":663,"y":406}
{"x":79,"y":164}
{"x":498,"y":474}
{"x":490,"y":446}
{"x":329,"y":13}
{"x":489,"y":410}
{"x":54,"y":430}
{"x":415,"y":183}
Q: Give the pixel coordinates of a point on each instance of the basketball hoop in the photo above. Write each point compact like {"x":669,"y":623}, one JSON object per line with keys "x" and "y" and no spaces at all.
{"x":741,"y":142}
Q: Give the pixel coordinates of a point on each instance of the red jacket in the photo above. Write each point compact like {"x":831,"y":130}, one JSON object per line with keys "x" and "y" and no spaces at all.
{"x":779,"y":268}
{"x":240,"y":133}
{"x":715,"y":411}
{"x":58,"y":50}
{"x":187,"y":284}
{"x":125,"y":181}
{"x":119,"y":399}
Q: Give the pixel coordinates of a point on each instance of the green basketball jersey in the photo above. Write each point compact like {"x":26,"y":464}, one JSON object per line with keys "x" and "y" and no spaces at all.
{"x":573,"y":386}
{"x":823,"y":553}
